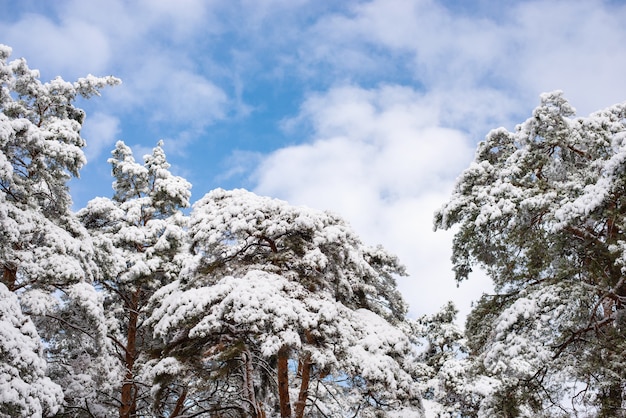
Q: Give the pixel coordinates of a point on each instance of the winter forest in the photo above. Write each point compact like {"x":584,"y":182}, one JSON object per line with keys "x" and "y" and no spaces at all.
{"x":144,"y":305}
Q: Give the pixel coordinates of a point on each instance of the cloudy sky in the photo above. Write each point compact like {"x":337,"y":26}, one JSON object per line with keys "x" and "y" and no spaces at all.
{"x":367,"y":108}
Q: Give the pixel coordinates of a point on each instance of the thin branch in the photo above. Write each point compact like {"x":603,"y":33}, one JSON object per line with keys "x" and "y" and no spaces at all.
{"x":75,"y":327}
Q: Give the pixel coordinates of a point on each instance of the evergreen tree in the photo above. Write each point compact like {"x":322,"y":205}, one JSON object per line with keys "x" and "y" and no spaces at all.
{"x":542,"y":210}
{"x":139,"y":234}
{"x":46,"y":256}
{"x":25,"y":390}
{"x":40,"y":149}
{"x":444,"y":361}
{"x":283,"y":311}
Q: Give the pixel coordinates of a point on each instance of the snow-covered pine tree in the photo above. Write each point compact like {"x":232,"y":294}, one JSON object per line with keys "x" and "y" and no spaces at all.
{"x":41,"y":148}
{"x":543,"y":211}
{"x":443,"y":346}
{"x":282,"y":311}
{"x":46,"y":257}
{"x":451,"y":388}
{"x":25,"y":390}
{"x":140,"y":238}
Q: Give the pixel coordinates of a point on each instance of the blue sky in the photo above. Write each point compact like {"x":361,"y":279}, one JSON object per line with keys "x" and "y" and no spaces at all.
{"x":367,"y":108}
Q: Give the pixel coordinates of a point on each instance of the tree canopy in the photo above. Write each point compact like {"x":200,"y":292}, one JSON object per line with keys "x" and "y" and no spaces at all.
{"x":140,"y":238}
{"x":542,"y":211}
{"x":284,"y":284}
{"x":46,"y":255}
{"x":247,"y":306}
{"x":241,"y":305}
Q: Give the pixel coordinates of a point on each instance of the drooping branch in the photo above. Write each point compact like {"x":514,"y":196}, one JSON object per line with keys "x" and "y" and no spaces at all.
{"x":74,"y":327}
{"x":576,"y":335}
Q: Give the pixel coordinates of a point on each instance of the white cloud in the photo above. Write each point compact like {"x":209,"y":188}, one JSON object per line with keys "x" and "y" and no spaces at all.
{"x":182,"y":18}
{"x":528,"y":48}
{"x":577,"y":47}
{"x":159,"y":77}
{"x":386,"y":158}
{"x":70,"y":49}
{"x":379,"y":158}
{"x":148,"y":44}
{"x":128,"y":24}
{"x":419,"y":36}
{"x":188,"y":98}
{"x":100,"y":131}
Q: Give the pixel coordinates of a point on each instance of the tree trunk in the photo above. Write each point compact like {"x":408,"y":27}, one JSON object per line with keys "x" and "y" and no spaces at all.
{"x":9,"y":277}
{"x":305,"y":373}
{"x":128,"y":409}
{"x":283,"y":382}
{"x":248,"y":385}
{"x":180,"y":403}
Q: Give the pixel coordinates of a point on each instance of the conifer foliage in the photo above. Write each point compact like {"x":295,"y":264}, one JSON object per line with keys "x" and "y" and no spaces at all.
{"x":286,"y":312}
{"x":46,"y":256}
{"x":41,"y":148}
{"x":25,"y":390}
{"x":246,"y":307}
{"x":542,"y":210}
{"x":140,"y":237}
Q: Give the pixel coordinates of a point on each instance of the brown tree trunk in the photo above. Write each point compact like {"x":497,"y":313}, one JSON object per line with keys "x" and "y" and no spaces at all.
{"x":180,"y":403}
{"x":128,"y":408}
{"x":283,"y":382}
{"x":305,"y":374}
{"x":9,"y":277}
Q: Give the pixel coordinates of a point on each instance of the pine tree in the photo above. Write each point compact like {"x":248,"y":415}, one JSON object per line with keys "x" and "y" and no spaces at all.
{"x":443,"y":360}
{"x":283,"y":311}
{"x":41,"y":148}
{"x":542,"y":210}
{"x":46,"y":256}
{"x":25,"y":390}
{"x":140,"y":236}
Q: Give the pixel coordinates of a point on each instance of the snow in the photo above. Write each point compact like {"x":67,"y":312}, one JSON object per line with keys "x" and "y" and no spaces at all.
{"x":275,"y":312}
{"x":24,"y":387}
{"x":290,"y":277}
{"x":541,"y":210}
{"x":536,"y":208}
{"x":38,"y":302}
